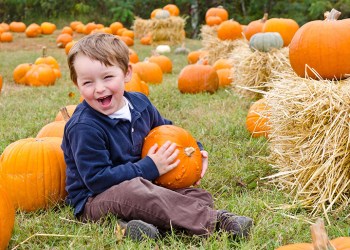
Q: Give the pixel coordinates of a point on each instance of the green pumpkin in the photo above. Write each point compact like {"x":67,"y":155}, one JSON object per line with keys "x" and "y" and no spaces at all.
{"x":264,"y":42}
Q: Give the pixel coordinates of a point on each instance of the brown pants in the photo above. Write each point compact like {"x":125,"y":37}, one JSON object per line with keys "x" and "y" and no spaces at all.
{"x":188,"y":208}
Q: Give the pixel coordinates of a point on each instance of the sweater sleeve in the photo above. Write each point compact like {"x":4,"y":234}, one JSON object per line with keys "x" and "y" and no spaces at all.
{"x":92,"y":161}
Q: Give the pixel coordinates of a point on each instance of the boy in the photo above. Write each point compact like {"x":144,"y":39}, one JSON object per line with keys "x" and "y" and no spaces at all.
{"x":102,"y":147}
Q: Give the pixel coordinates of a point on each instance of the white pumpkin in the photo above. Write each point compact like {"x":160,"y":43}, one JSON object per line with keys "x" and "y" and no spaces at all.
{"x":163,"y":49}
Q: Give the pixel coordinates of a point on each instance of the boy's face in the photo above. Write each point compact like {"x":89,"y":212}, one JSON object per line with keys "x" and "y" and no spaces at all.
{"x":101,"y":86}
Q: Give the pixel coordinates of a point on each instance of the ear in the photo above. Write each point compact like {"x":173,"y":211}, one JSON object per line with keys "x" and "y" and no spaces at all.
{"x":128,"y":74}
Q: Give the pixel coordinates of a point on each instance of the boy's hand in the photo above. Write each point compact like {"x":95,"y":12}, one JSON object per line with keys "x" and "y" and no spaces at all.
{"x":164,"y":157}
{"x":204,"y":165}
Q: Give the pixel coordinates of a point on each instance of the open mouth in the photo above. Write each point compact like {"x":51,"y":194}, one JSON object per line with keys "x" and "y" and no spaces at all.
{"x":105,"y":101}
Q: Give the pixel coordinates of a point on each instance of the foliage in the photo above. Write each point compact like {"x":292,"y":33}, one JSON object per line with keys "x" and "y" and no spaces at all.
{"x":243,"y":11}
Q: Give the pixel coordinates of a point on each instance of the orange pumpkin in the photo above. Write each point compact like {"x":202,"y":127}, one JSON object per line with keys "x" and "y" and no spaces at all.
{"x":173,"y":9}
{"x":115,"y":26}
{"x":314,"y":45}
{"x":6,"y":37}
{"x":52,"y":129}
{"x":189,"y":169}
{"x":5,"y":26}
{"x":217,"y":11}
{"x":222,"y":63}
{"x":163,"y":61}
{"x":33,"y":172}
{"x":285,"y":26}
{"x":74,"y":24}
{"x":19,"y":73}
{"x":7,"y":218}
{"x":89,"y":27}
{"x":33,"y":30}
{"x":213,"y":20}
{"x":45,"y":59}
{"x":17,"y":26}
{"x":62,"y":40}
{"x":128,"y":33}
{"x":69,"y":46}
{"x":254,"y":27}
{"x":257,"y":119}
{"x":149,"y":72}
{"x":229,"y":30}
{"x":194,"y":56}
{"x":127,"y":40}
{"x":40,"y":75}
{"x":224,"y":77}
{"x":196,"y":78}
{"x":137,"y":85}
{"x":47,"y":28}
{"x":146,"y":40}
{"x":320,"y":240}
{"x":68,"y":30}
{"x":133,"y":57}
{"x":70,"y":110}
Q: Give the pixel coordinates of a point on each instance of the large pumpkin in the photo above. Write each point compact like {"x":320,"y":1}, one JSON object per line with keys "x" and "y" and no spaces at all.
{"x":34,"y":172}
{"x":320,"y":240}
{"x":189,"y":169}
{"x":257,"y":118}
{"x":7,"y":218}
{"x":196,"y":78}
{"x":323,"y":46}
{"x":285,"y":26}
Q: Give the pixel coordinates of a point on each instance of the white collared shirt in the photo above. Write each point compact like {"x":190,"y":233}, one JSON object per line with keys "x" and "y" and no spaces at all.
{"x":124,"y":112}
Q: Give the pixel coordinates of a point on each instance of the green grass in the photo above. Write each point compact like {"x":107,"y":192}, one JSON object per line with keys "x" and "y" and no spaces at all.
{"x":217,"y":120}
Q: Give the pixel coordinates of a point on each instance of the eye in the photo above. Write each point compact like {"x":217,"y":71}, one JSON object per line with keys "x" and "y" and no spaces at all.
{"x":108,"y":76}
{"x":85,"y":83}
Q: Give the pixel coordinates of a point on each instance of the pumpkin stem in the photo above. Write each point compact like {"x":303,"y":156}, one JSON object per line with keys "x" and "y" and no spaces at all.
{"x":44,"y":51}
{"x":189,"y":151}
{"x":319,"y":235}
{"x":65,"y":114}
{"x":264,"y":19}
{"x":332,"y":15}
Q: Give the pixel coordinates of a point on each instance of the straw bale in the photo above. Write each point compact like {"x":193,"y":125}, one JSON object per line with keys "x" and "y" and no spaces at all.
{"x":309,"y":141}
{"x":208,"y":32}
{"x":164,"y":31}
{"x":218,"y":49}
{"x":252,"y":70}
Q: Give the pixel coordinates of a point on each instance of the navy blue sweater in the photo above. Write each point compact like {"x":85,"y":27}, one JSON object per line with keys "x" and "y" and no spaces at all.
{"x":101,"y":152}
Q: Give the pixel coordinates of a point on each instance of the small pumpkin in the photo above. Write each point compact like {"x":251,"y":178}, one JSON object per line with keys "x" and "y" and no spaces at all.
{"x":189,"y":169}
{"x":217,"y":11}
{"x":133,"y":57}
{"x":17,"y":26}
{"x":229,"y":30}
{"x":5,"y":26}
{"x":69,"y":109}
{"x":146,"y":40}
{"x":224,"y":75}
{"x":285,"y":26}
{"x":254,"y":27}
{"x":68,"y":30}
{"x":194,"y":56}
{"x":115,"y":26}
{"x":213,"y":20}
{"x":137,"y":85}
{"x":47,"y":28}
{"x":265,"y":42}
{"x":62,"y":40}
{"x":45,"y":59}
{"x":7,"y":218}
{"x":33,"y":30}
{"x":74,"y":24}
{"x":69,"y":46}
{"x":127,"y":40}
{"x":149,"y":72}
{"x":40,"y":75}
{"x":196,"y":78}
{"x":222,"y":63}
{"x":173,"y":9}
{"x":257,"y":119}
{"x":6,"y":37}
{"x":162,"y":14}
{"x":163,"y":61}
{"x":33,"y":172}
{"x":19,"y":73}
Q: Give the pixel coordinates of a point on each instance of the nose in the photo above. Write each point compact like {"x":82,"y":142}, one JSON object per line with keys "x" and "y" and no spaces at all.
{"x":99,"y":86}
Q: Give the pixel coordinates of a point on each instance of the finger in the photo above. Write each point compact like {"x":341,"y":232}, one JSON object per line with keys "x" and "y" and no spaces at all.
{"x":173,"y":156}
{"x":173,"y":165}
{"x":164,"y":147}
{"x":152,"y":149}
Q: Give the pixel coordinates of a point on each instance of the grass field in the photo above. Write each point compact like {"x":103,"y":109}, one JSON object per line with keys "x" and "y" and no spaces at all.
{"x":217,"y":120}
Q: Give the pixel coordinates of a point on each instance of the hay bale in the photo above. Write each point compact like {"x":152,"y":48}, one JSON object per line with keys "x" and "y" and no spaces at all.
{"x":309,"y":141}
{"x":164,"y":31}
{"x":252,"y":70}
{"x":208,"y":32}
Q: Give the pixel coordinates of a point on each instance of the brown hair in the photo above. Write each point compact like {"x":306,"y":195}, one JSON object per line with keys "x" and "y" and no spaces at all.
{"x":103,"y":47}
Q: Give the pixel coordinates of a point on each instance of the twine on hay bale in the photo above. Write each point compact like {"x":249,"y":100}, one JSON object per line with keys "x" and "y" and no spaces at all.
{"x":164,"y":31}
{"x":254,"y":69}
{"x":309,"y":141}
